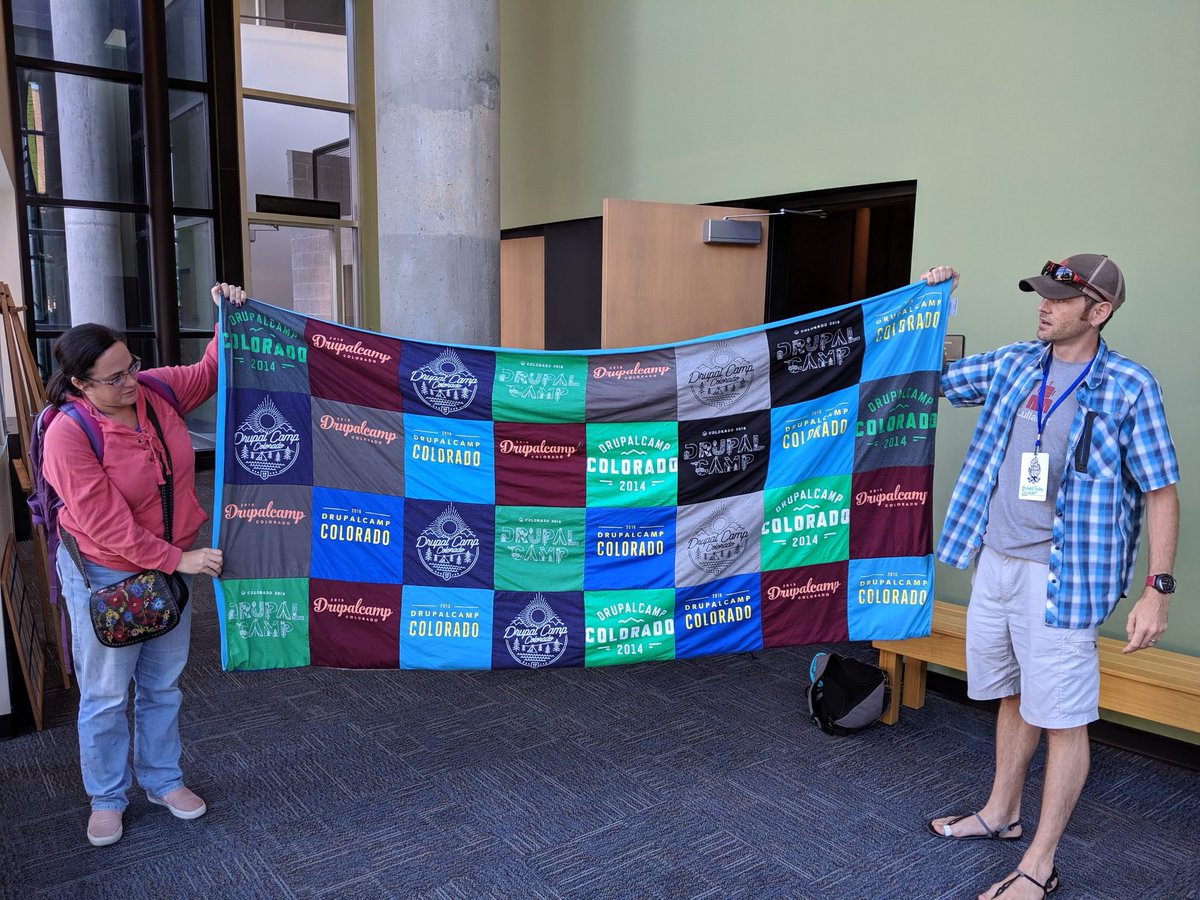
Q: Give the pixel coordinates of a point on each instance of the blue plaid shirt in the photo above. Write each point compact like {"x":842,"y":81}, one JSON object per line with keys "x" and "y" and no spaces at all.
{"x":1118,"y":449}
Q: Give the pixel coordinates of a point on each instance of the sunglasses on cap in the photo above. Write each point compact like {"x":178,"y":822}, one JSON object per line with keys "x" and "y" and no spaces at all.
{"x":1066,"y":275}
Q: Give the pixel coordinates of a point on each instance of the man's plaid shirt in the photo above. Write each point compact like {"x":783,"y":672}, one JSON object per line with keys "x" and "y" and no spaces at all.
{"x":1118,"y":449}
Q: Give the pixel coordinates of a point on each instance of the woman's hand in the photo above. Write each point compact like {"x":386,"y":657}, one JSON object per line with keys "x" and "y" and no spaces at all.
{"x":205,"y":561}
{"x":233,"y":291}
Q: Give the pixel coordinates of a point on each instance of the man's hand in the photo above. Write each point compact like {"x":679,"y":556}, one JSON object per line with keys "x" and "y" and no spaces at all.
{"x":938,"y":274}
{"x":233,"y":291}
{"x":1147,"y":620}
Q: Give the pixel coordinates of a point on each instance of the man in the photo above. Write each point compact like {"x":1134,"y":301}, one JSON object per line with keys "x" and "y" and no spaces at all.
{"x":1070,"y":446}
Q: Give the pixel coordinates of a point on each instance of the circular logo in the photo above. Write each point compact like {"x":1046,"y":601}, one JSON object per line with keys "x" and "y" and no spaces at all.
{"x":537,"y":637}
{"x":448,"y":547}
{"x":445,"y":384}
{"x":266,"y":444}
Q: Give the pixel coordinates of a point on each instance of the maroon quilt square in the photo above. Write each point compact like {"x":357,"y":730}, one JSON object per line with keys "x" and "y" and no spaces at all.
{"x":540,"y":464}
{"x":891,"y":513}
{"x":353,"y":366}
{"x":805,"y":605}
{"x":353,"y":625}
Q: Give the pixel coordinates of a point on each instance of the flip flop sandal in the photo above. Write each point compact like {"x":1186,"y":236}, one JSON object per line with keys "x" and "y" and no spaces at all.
{"x":1048,"y":888}
{"x":996,"y":834}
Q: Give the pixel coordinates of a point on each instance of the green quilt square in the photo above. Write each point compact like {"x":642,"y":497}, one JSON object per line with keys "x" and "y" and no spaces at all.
{"x":265,"y":623}
{"x":806,"y":523}
{"x":628,"y":626}
{"x":537,"y":387}
{"x":540,"y":548}
{"x":632,"y":463}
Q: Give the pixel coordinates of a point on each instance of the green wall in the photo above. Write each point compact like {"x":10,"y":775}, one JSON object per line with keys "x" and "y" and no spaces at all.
{"x":1033,"y":129}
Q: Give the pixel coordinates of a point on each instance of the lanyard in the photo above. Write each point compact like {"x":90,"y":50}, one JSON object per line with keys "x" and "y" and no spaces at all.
{"x":1041,"y":420}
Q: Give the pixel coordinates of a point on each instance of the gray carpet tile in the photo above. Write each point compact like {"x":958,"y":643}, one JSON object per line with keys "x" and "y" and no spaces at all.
{"x":694,"y":779}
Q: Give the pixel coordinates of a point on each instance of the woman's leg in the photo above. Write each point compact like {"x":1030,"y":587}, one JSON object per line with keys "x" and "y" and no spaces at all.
{"x":157,"y":698}
{"x":103,"y":675}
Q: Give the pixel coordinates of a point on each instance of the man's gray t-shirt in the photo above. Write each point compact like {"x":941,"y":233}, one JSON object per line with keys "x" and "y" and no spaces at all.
{"x":1022,"y":528}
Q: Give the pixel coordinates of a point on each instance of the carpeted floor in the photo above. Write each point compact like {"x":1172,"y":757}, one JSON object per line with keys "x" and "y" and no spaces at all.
{"x":689,"y":779}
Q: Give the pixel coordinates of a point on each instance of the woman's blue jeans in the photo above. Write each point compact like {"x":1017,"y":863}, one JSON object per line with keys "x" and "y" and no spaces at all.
{"x":103,"y":675}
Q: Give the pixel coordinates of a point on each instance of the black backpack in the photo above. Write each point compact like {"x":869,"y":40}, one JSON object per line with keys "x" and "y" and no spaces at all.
{"x":846,"y":695}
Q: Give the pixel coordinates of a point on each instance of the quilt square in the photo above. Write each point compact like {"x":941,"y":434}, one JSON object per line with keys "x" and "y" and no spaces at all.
{"x":357,"y":448}
{"x":265,"y":348}
{"x":632,"y":464}
{"x":448,"y":459}
{"x":264,"y":622}
{"x":455,"y":382}
{"x":264,"y":531}
{"x":357,"y":533}
{"x":892,"y":513}
{"x":540,"y":464}
{"x":632,"y":387}
{"x":807,"y":523}
{"x":718,"y":538}
{"x":540,"y":548}
{"x":354,"y":625}
{"x":445,"y":628}
{"x":817,"y":356}
{"x":805,"y":605}
{"x":352,"y":366}
{"x":724,"y":456}
{"x":897,"y":417}
{"x":722,"y":616}
{"x":539,"y":387}
{"x":270,"y":439}
{"x":628,"y":626}
{"x":812,"y":438}
{"x":723,"y":377}
{"x":630,"y":548}
{"x":890,"y":599}
{"x":449,"y":544}
{"x":895,"y":342}
{"x":537,"y":630}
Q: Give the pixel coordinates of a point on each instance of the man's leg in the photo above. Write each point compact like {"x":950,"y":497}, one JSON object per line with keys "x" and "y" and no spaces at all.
{"x":1016,"y":741}
{"x":1068,"y":756}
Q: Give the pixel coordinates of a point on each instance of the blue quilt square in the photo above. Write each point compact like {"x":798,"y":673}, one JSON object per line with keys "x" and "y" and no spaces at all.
{"x":449,"y":459}
{"x":896,"y":326}
{"x":722,"y":616}
{"x":889,"y":599}
{"x":357,"y":535}
{"x":449,"y":382}
{"x":630,"y":548}
{"x":812,"y":438}
{"x":445,"y":628}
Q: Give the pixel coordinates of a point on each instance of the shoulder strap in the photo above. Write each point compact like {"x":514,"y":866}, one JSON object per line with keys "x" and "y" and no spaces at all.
{"x":160,"y":387}
{"x":88,"y":423}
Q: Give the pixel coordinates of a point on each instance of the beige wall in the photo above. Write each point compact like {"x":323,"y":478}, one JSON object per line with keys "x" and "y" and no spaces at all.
{"x":1033,"y":129}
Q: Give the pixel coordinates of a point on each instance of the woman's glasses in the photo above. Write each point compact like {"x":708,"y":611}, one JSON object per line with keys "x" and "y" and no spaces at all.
{"x":131,"y":372}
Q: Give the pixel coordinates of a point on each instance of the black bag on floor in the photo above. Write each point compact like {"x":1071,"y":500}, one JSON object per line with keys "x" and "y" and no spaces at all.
{"x":846,"y":695}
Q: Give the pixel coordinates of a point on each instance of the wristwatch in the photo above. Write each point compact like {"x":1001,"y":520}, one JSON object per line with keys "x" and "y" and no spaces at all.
{"x":1164,"y":584}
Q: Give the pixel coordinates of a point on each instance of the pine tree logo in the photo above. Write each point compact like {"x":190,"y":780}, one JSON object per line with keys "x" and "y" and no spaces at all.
{"x":538,"y":636}
{"x":448,"y":547}
{"x":722,"y":378}
{"x":717,"y":543}
{"x":445,"y":384}
{"x":266,"y":444}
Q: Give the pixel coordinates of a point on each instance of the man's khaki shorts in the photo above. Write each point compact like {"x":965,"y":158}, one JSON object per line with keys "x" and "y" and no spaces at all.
{"x":1011,"y":650}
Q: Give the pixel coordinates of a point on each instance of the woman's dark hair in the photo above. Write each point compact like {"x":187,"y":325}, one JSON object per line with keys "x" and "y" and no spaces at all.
{"x":76,"y":351}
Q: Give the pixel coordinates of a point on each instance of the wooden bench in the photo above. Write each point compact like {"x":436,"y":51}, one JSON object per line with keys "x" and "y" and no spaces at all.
{"x":1152,"y":684}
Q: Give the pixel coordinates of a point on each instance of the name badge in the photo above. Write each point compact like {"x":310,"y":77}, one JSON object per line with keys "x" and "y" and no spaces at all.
{"x":1035,"y":469}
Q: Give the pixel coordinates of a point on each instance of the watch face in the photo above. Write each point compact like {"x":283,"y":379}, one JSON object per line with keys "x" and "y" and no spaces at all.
{"x":1165,"y":583}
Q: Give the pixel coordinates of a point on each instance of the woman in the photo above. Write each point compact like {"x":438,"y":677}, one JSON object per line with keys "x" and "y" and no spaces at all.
{"x":114,"y":511}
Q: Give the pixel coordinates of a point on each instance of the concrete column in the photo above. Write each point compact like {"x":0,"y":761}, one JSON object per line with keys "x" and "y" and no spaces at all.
{"x":91,"y":114}
{"x":437,"y":108}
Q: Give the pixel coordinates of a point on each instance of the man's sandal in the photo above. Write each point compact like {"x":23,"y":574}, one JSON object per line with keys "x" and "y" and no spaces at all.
{"x":997,"y":834}
{"x":1048,"y":888}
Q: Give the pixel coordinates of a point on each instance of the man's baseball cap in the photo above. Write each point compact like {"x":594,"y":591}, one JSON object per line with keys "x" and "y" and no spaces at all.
{"x":1059,"y":281}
